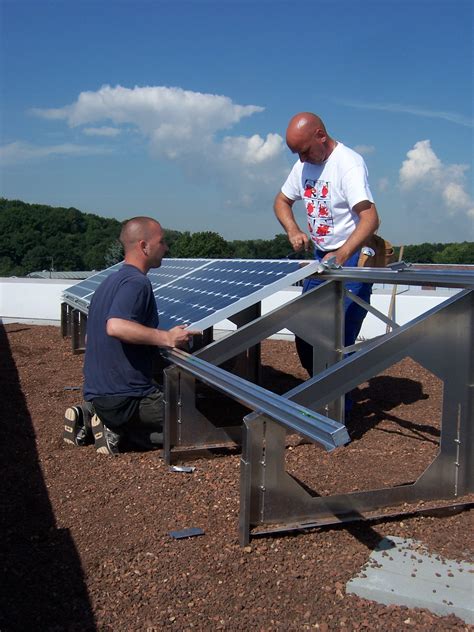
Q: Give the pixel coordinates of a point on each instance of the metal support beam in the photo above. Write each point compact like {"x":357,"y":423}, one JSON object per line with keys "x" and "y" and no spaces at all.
{"x":372,"y":310}
{"x":406,"y":276}
{"x":316,"y":316}
{"x":316,"y":427}
{"x":191,"y":429}
{"x":442,"y":341}
{"x":65,"y":320}
{"x":78,"y":331}
{"x":198,"y":432}
{"x":297,"y":315}
{"x":248,"y":363}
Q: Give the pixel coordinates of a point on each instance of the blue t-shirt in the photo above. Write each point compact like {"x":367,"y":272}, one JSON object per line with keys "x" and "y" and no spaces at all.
{"x":113,"y":367}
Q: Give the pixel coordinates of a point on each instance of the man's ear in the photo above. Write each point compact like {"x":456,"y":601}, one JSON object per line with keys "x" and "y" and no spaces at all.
{"x":320,"y":134}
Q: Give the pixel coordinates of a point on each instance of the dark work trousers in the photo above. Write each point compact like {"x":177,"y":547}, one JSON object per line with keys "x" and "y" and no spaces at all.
{"x":353,"y":314}
{"x":143,"y":430}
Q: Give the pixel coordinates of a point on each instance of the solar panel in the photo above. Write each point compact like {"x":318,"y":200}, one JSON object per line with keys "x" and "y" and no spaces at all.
{"x":202,"y":292}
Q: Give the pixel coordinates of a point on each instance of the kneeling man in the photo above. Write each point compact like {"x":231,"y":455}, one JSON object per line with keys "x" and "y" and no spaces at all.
{"x":123,"y":404}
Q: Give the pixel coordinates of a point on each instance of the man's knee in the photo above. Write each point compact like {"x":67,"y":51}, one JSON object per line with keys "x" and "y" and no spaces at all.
{"x":152,"y":408}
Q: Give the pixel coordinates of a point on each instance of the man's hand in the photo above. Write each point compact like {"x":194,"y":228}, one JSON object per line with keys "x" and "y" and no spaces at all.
{"x":368,"y":224}
{"x":138,"y":334}
{"x":298,"y":240}
{"x":341,"y":255}
{"x":283,"y":208}
{"x":179,"y":336}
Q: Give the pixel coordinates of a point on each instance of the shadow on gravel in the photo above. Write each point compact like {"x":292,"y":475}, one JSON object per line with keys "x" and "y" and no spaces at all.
{"x":278,"y":381}
{"x":384,"y":393}
{"x":42,"y":584}
{"x":211,"y":403}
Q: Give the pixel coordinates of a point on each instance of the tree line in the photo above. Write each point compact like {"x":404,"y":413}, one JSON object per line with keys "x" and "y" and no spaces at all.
{"x":39,"y":237}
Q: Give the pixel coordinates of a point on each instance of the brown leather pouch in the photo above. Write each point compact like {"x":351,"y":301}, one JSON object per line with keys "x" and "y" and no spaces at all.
{"x":384,"y":253}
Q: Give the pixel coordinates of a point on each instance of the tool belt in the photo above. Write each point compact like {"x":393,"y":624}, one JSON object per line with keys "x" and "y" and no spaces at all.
{"x":384,"y":253}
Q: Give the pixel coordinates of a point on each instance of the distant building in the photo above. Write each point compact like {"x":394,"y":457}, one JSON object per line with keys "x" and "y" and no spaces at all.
{"x":53,"y":274}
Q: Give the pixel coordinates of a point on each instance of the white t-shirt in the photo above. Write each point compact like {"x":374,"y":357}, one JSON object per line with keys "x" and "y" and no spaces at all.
{"x":330,"y":191}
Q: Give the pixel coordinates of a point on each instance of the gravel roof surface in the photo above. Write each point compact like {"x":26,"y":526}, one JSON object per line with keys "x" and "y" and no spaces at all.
{"x":85,"y":537}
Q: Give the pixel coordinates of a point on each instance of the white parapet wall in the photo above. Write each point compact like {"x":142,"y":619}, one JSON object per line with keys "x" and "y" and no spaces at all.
{"x":38,"y":301}
{"x":408,"y":305}
{"x":32,"y":300}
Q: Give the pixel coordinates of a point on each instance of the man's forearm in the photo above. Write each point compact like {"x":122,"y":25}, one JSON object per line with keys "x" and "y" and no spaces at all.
{"x":368,"y":224}
{"x":365,"y":229}
{"x":284,"y":214}
{"x":136,"y":333}
{"x":283,"y":208}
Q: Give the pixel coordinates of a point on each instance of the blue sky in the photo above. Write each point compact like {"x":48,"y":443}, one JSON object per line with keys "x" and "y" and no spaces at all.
{"x":179,"y":109}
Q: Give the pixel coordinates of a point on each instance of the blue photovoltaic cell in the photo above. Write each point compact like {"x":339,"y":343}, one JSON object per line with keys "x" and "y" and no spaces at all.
{"x":201,"y":292}
{"x":80,"y":295}
{"x":172,"y":269}
{"x":216,"y":286}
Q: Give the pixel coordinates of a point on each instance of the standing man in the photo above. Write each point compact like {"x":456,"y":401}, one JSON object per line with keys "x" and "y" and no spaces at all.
{"x":341,"y":214}
{"x":122,"y":341}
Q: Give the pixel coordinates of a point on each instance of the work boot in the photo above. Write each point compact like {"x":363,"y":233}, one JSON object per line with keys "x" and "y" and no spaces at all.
{"x":106,"y":441}
{"x":77,"y":429}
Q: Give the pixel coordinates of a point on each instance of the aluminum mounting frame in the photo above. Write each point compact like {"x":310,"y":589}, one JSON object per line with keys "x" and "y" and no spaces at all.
{"x":441,"y":340}
{"x":270,"y":496}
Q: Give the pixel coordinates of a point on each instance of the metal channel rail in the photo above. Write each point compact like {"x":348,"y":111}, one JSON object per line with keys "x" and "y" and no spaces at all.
{"x":328,"y":432}
{"x":402,"y":274}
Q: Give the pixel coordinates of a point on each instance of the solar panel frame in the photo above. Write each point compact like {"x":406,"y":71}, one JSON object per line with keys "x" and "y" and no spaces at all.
{"x":220,"y":288}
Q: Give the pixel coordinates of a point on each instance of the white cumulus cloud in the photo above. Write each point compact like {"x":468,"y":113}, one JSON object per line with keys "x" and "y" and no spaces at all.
{"x":252,"y":150}
{"x":456,"y":198}
{"x":172,"y":119}
{"x":423,"y":172}
{"x":193,"y":129}
{"x":422,"y":165}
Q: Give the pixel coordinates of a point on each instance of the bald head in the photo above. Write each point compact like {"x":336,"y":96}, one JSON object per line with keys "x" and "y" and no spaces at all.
{"x":304,"y":123}
{"x":306,"y":136}
{"x":137,"y":229}
{"x":144,"y":243}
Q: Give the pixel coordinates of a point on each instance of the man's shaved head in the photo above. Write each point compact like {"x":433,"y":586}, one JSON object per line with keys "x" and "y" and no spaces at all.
{"x":304,"y":123}
{"x":306,"y":136}
{"x":143,"y":240}
{"x":137,"y":229}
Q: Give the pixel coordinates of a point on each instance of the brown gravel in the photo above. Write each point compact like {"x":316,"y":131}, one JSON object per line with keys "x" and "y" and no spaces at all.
{"x":85,"y":537}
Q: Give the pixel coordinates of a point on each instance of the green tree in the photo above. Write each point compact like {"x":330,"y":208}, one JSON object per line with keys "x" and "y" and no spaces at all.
{"x":277,"y":248}
{"x":7,"y":269}
{"x":171,"y":237}
{"x":36,"y":258}
{"x":246,"y":249}
{"x":421,"y":253}
{"x":208,"y":245}
{"x":462,"y":253}
{"x":114,"y":254}
{"x":33,"y":235}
